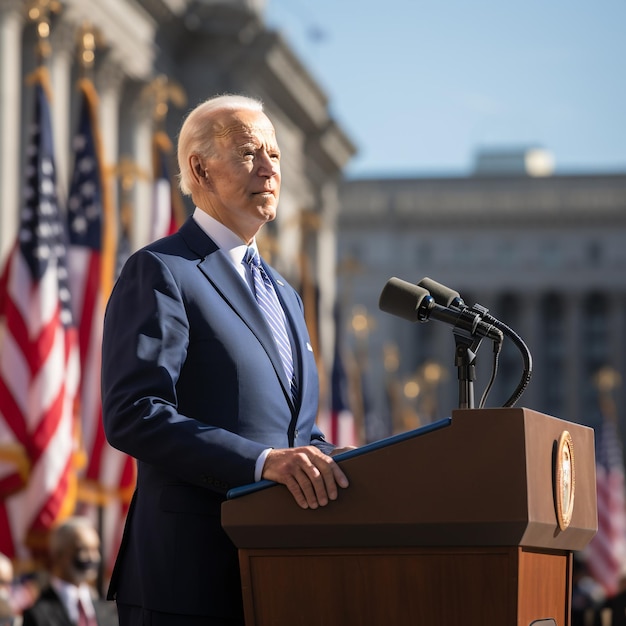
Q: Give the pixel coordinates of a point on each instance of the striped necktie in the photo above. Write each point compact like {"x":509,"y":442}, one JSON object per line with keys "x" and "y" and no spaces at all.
{"x":268,"y":303}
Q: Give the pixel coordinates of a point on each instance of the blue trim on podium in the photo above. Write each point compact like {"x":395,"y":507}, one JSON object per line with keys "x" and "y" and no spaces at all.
{"x":237,"y":492}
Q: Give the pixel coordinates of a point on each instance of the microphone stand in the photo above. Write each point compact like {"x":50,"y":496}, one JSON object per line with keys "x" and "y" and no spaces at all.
{"x":465,"y":361}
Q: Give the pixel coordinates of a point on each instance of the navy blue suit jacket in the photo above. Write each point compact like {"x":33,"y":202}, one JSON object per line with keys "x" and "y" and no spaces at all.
{"x":194,"y":389}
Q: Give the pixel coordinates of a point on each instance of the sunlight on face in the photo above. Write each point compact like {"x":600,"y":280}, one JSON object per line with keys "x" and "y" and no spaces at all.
{"x":243,"y":175}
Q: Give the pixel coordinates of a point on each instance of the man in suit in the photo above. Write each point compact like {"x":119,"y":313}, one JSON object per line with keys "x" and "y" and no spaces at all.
{"x":196,"y":384}
{"x":70,"y":599}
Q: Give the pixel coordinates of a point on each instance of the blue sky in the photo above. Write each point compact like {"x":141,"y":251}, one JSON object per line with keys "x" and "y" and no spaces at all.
{"x":420,"y":86}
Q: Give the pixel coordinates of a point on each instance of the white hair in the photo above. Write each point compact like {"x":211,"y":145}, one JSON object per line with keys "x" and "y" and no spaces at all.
{"x":196,"y":134}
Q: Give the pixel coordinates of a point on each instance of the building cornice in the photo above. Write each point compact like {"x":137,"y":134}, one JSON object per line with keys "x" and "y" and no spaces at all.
{"x":491,"y":202}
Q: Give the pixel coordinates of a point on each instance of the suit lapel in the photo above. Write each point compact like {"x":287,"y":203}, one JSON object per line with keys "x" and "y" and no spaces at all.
{"x":54,"y":608}
{"x":221,"y":274}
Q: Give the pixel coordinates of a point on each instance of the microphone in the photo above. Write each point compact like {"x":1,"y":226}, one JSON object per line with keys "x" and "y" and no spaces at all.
{"x":451,"y":298}
{"x":414,"y":303}
{"x":443,"y":295}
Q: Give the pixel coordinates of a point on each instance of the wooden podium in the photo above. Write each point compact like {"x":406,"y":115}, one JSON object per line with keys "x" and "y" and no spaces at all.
{"x":469,"y":521}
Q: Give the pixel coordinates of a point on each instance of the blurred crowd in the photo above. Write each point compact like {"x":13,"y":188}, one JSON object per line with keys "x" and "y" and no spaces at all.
{"x":17,"y":593}
{"x":63,"y":589}
{"x":590,"y":605}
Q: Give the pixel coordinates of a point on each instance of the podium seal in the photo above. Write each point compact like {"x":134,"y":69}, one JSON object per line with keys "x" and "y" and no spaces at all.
{"x":564,"y":480}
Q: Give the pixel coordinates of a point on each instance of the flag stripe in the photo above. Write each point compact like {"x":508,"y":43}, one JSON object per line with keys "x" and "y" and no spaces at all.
{"x":90,"y":300}
{"x":6,"y":541}
{"x":10,"y":407}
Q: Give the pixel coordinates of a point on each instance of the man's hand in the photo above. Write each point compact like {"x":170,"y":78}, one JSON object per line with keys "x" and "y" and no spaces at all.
{"x":310,"y":475}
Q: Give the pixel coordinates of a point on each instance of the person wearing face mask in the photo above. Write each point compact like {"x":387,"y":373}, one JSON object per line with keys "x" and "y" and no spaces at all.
{"x":70,"y":598}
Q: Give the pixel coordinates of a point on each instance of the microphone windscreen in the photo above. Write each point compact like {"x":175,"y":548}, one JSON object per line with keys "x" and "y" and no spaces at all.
{"x":443,"y":295}
{"x":401,"y":298}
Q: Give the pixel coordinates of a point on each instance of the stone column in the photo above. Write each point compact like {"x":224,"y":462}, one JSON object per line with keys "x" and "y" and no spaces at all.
{"x":109,"y":81}
{"x":141,"y":148}
{"x":327,"y":272}
{"x":616,"y":324}
{"x":615,"y":328}
{"x":11,"y":23}
{"x":529,"y":332}
{"x":572,"y":375}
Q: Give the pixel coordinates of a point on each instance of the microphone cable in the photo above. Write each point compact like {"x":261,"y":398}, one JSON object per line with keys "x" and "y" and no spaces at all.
{"x":497,"y":346}
{"x":452,"y":298}
{"x":526,"y":358}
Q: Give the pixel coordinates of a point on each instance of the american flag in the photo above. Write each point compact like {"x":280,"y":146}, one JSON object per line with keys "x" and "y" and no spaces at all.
{"x":39,"y":365}
{"x":165,"y":218}
{"x":606,"y":552}
{"x":339,"y":424}
{"x":109,"y":474}
{"x":343,"y":428}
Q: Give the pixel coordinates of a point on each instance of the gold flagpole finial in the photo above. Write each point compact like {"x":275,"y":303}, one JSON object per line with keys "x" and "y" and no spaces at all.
{"x":128,"y":173}
{"x":163,"y":91}
{"x":87,"y":44}
{"x":606,"y":380}
{"x":39,"y":11}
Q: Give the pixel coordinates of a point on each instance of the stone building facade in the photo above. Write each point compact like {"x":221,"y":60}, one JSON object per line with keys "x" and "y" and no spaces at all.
{"x":546,"y":255}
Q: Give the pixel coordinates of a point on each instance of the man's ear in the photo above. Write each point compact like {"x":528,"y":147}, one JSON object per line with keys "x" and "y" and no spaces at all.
{"x":199,"y":173}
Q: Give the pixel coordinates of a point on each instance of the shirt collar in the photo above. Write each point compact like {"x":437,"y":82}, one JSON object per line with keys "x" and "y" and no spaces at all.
{"x":226,"y":239}
{"x":70,"y":594}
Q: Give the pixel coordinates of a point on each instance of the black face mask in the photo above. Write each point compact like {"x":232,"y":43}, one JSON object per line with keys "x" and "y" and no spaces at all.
{"x":85,"y":565}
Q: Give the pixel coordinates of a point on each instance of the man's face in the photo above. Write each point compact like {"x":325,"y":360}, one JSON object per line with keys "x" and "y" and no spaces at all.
{"x":81,"y":560}
{"x":243,"y":176}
